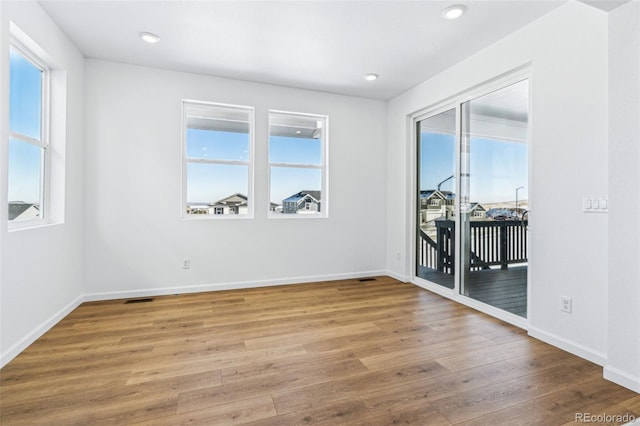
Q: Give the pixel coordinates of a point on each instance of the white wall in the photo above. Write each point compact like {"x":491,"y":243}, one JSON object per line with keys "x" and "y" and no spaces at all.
{"x":135,"y":238}
{"x":623,"y":362}
{"x":567,"y":53}
{"x":41,"y":276}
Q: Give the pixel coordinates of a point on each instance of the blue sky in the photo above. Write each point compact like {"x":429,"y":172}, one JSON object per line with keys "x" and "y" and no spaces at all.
{"x":25,"y":117}
{"x":497,"y":168}
{"x":210,"y":182}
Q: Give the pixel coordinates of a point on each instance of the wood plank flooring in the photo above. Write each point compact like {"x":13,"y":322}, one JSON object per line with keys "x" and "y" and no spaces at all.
{"x":344,"y":352}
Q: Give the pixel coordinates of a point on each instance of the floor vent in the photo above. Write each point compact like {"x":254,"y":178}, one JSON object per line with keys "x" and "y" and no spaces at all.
{"x":362,"y":280}
{"x":148,"y":299}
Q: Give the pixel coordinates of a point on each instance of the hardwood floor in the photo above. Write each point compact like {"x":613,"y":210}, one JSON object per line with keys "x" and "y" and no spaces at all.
{"x":345,"y":352}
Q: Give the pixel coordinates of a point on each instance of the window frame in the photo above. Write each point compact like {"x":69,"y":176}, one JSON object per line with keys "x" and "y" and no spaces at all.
{"x":249,"y":163}
{"x":44,"y":143}
{"x":323,"y":166}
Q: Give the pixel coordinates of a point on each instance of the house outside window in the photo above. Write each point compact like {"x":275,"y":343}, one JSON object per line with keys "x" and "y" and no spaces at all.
{"x":28,"y":159}
{"x":298,"y":146}
{"x":217,"y":159}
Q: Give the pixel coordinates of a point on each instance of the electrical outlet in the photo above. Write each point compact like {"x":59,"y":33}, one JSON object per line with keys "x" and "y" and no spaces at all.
{"x":186,"y":263}
{"x":565,"y":304}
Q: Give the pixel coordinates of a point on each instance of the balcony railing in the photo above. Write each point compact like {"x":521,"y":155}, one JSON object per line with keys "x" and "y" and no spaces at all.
{"x":492,"y":243}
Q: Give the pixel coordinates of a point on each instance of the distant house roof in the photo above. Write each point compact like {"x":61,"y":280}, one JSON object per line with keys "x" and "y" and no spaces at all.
{"x":476,"y":206}
{"x":300,"y":195}
{"x":234,"y":200}
{"x":16,"y":208}
{"x":428,"y":193}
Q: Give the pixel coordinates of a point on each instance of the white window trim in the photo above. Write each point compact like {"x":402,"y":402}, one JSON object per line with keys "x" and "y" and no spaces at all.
{"x":250,"y":164}
{"x":323,"y":167}
{"x":43,"y":143}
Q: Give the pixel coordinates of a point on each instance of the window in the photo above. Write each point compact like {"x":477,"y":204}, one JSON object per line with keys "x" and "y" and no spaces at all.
{"x":298,"y":164}
{"x":434,"y":202}
{"x":28,"y":136}
{"x":217,"y":160}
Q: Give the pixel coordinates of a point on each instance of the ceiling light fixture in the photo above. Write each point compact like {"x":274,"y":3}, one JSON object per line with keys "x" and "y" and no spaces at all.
{"x":371,"y":76}
{"x":149,"y":37}
{"x":454,"y":12}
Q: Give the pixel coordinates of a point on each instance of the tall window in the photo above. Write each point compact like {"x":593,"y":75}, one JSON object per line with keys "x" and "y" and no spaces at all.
{"x":217,"y":160}
{"x":28,"y":136}
{"x":298,"y":164}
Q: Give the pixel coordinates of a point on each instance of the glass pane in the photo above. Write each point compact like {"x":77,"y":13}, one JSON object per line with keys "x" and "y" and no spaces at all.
{"x":493,"y":212}
{"x":24,"y":180}
{"x":217,"y":189}
{"x":295,"y":139}
{"x":296,"y":190}
{"x":217,"y":145}
{"x":295,"y":150}
{"x":25,"y":97}
{"x":436,"y":198}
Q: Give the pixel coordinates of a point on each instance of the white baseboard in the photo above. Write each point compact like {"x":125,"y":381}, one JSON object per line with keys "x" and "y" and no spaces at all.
{"x":161,"y":291}
{"x":569,"y":346}
{"x":622,"y":378}
{"x":399,"y":277}
{"x":27,"y":340}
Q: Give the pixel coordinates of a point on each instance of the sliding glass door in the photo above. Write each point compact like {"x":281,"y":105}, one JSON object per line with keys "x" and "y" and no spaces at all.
{"x":472,"y":180}
{"x":436,"y":198}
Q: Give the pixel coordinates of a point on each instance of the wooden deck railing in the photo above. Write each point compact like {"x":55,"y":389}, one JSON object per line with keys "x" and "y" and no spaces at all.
{"x":492,"y":243}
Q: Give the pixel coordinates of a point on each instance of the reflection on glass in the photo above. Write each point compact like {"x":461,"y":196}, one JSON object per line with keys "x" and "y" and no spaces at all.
{"x":494,"y":164}
{"x":295,"y":150}
{"x":216,"y":145}
{"x":436,"y":198}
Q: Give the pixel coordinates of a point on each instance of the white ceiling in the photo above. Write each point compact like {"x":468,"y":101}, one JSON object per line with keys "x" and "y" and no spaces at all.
{"x":321,"y":45}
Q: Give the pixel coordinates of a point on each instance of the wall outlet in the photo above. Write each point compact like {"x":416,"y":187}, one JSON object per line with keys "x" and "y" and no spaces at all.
{"x":186,"y":263}
{"x":565,"y":304}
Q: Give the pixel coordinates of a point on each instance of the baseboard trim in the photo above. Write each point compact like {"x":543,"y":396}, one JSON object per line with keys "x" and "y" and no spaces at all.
{"x":399,"y":277}
{"x":622,"y":378}
{"x":36,"y":333}
{"x":569,"y":346}
{"x":162,"y":291}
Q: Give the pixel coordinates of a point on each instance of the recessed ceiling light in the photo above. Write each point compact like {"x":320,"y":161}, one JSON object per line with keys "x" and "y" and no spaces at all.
{"x":371,"y":76}
{"x":454,"y":12}
{"x":149,"y":37}
{"x":298,"y":132}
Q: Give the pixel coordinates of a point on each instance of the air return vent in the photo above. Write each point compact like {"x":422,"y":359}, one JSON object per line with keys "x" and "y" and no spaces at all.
{"x":362,"y":280}
{"x":148,"y":299}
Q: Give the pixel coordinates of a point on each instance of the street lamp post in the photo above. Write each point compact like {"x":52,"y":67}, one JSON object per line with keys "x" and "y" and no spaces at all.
{"x":517,"y":189}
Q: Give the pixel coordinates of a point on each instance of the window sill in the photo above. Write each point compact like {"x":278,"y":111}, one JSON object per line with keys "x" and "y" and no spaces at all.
{"x":30,"y":224}
{"x":296,"y":216}
{"x":206,"y":217}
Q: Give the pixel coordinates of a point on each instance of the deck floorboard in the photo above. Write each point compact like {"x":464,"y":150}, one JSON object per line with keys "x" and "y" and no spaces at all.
{"x":504,"y":289}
